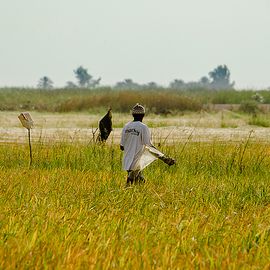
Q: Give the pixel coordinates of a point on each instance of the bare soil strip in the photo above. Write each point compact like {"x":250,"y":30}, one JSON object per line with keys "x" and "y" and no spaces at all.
{"x":79,"y":127}
{"x":160,"y":135}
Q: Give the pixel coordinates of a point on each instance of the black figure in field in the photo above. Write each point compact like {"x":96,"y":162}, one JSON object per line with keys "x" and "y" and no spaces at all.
{"x":105,"y":126}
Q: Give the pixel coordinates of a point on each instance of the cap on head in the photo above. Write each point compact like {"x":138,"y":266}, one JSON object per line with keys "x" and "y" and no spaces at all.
{"x":138,"y":109}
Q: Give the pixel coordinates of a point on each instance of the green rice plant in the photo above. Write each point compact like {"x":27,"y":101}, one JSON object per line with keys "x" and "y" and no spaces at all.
{"x":250,"y":107}
{"x":259,"y":120}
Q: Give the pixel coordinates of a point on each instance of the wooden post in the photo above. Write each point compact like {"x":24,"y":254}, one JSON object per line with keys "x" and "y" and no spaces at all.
{"x":30,"y":147}
{"x":28,"y":123}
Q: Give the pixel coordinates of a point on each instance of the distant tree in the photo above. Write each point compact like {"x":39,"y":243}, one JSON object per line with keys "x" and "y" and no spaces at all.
{"x":85,"y":80}
{"x":128,"y":84}
{"x":221,"y":78}
{"x":151,"y":85}
{"x":192,"y":85}
{"x":71,"y":85}
{"x":95,"y":83}
{"x":177,"y":84}
{"x":82,"y":76}
{"x":204,"y":81}
{"x":45,"y":83}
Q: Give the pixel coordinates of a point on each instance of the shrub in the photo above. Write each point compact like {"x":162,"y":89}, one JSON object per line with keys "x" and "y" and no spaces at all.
{"x":249,"y":106}
{"x":259,"y":121}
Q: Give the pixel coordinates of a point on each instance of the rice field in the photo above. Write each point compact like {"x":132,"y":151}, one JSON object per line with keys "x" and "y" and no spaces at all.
{"x":71,"y":209}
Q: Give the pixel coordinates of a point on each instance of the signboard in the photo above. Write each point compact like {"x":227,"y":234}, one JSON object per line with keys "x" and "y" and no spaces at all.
{"x":26,"y":120}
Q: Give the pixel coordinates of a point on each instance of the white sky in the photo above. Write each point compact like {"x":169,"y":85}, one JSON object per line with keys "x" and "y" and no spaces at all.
{"x":145,"y":40}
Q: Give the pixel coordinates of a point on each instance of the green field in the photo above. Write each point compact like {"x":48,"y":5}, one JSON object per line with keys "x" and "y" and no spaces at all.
{"x":71,"y":209}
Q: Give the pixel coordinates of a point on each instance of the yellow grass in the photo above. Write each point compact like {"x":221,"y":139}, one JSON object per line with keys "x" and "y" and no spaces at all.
{"x":71,"y":209}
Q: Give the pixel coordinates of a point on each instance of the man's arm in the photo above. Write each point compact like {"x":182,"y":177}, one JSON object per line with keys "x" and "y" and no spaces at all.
{"x":122,"y":140}
{"x":147,"y":141}
{"x":168,"y":160}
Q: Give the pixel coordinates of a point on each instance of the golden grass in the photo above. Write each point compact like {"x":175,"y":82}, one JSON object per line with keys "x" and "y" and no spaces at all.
{"x":71,"y":209}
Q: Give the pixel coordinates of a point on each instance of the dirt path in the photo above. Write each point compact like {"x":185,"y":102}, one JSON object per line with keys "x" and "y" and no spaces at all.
{"x":159,"y":135}
{"x":79,"y":127}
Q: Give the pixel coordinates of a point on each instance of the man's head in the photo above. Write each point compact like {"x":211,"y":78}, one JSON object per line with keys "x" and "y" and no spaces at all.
{"x":138,"y":112}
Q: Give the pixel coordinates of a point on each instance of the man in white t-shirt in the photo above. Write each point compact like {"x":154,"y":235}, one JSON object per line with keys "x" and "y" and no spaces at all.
{"x":138,"y":149}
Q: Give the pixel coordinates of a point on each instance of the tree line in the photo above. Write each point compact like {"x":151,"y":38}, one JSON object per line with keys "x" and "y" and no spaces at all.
{"x":218,"y":78}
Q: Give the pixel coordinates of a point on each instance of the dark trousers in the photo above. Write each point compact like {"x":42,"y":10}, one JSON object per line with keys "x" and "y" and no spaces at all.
{"x":135,"y":177}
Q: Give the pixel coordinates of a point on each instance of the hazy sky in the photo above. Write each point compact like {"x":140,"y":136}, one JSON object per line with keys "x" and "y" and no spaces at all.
{"x":145,"y":40}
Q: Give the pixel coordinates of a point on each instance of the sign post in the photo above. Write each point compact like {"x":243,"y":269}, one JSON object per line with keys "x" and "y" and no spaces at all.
{"x":28,"y":123}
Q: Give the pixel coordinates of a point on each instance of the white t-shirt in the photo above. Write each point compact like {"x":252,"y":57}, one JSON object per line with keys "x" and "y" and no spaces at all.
{"x":138,"y":149}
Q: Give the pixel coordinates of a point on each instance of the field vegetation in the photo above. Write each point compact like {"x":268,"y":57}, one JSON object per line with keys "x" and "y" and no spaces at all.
{"x":159,"y":101}
{"x":71,"y":210}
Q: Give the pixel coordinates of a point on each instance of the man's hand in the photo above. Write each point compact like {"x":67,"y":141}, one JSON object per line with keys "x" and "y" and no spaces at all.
{"x":168,"y":160}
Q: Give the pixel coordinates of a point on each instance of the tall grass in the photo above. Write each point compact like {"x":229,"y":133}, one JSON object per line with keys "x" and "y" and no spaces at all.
{"x":65,"y":100}
{"x":157,"y":101}
{"x":71,"y":209}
